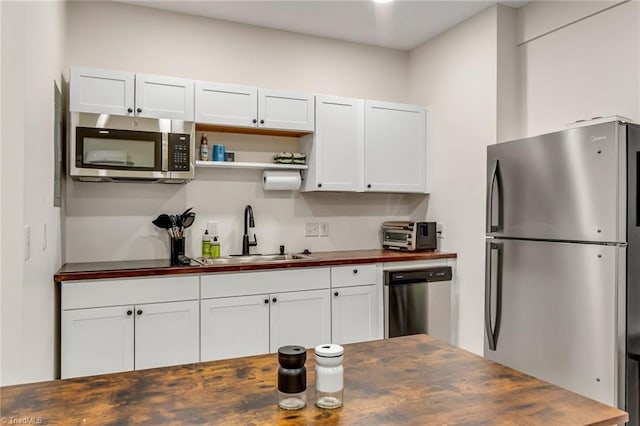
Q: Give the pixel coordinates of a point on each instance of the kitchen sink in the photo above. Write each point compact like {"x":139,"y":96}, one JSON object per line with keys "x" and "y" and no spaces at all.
{"x":254,"y":258}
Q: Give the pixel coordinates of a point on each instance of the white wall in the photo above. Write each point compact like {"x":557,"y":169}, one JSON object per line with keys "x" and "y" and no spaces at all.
{"x":454,"y":75}
{"x":113,"y":221}
{"x":590,"y":68}
{"x":31,"y":62}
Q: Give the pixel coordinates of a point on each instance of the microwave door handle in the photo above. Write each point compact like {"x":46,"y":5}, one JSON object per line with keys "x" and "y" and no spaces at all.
{"x":165,"y":152}
{"x":495,"y":181}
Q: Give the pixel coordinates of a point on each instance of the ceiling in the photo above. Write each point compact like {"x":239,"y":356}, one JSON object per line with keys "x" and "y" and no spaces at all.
{"x":401,"y":24}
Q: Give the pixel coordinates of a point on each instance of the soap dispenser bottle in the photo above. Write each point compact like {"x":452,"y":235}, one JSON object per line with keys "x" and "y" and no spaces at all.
{"x":215,"y":247}
{"x":206,"y":245}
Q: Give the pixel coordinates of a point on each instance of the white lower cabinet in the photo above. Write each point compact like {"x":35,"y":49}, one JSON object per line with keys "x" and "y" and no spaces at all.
{"x":300,"y":318}
{"x":354,"y":314}
{"x":166,"y":334}
{"x":356,"y":303}
{"x":256,"y":312}
{"x":109,"y":326}
{"x":234,"y":326}
{"x":124,"y":338}
{"x":96,"y":341}
{"x":259,"y":324}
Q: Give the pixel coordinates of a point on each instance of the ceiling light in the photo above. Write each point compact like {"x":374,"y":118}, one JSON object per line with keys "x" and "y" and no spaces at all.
{"x":382,"y":1}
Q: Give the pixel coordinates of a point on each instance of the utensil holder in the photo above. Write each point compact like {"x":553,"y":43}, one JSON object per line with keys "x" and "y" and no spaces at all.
{"x":177,"y":249}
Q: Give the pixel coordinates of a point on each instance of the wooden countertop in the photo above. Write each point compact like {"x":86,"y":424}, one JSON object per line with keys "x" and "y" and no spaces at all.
{"x":143,"y":268}
{"x":406,"y":380}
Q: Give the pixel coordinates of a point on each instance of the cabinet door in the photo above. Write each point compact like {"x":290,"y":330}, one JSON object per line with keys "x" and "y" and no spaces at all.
{"x":337,"y":154}
{"x":96,"y":341}
{"x":286,"y":110}
{"x":234,"y":326}
{"x":166,"y":334}
{"x":354,"y":314}
{"x":101,"y":91}
{"x":395,"y":147}
{"x":164,"y":97}
{"x":226,"y":104}
{"x":300,"y":318}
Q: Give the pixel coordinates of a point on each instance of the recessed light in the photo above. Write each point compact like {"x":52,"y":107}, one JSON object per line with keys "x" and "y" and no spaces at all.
{"x":382,"y":1}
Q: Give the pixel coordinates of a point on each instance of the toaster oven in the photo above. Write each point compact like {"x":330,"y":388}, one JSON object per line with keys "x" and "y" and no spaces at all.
{"x":409,"y":236}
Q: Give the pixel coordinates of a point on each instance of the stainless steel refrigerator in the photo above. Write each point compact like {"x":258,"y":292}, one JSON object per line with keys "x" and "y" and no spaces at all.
{"x":562,"y":297}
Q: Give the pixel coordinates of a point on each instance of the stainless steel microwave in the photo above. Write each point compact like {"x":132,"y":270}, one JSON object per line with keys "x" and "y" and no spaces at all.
{"x":109,"y":148}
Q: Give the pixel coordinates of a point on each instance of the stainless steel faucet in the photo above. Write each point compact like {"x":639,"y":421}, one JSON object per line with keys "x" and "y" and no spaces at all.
{"x":248,"y":223}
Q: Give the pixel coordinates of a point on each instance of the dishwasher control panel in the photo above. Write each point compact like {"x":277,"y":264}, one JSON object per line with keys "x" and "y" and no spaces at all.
{"x":428,"y":275}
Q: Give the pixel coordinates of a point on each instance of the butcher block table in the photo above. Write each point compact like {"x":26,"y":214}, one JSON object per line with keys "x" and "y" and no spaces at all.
{"x":401,"y":381}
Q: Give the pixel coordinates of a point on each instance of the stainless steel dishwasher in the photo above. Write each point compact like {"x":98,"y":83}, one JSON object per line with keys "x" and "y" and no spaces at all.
{"x":418,"y":301}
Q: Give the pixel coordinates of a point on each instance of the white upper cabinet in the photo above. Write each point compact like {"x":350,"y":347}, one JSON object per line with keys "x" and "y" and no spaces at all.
{"x":124,"y":93}
{"x":226,"y":104}
{"x":335,"y":152}
{"x":282,"y":110}
{"x":101,"y":91}
{"x":250,"y":107}
{"x":164,"y":97}
{"x":395,"y":147}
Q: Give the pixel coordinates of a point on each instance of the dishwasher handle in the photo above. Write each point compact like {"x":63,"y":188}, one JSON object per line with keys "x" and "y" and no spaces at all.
{"x":444,"y":273}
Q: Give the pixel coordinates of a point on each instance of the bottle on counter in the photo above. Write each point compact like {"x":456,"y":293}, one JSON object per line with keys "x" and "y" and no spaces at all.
{"x":329,"y":375}
{"x":206,"y":245}
{"x":215,"y":247}
{"x":292,"y":378}
{"x":204,"y":148}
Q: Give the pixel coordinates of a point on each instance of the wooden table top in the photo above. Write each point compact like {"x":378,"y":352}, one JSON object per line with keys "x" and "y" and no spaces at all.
{"x":406,"y":380}
{"x":145,"y":268}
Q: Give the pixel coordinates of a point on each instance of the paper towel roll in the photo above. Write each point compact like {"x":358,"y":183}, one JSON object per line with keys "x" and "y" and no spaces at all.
{"x":281,"y":180}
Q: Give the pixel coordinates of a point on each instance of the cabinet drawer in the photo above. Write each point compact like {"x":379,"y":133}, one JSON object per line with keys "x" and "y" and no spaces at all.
{"x":246,"y":283}
{"x":347,"y":276}
{"x":91,"y":294}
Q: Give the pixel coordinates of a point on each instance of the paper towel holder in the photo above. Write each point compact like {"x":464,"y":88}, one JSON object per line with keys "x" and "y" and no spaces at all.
{"x":282,"y":180}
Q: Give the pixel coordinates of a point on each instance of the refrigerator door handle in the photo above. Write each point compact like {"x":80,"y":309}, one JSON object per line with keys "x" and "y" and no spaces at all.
{"x":493,"y":328}
{"x":496,"y":178}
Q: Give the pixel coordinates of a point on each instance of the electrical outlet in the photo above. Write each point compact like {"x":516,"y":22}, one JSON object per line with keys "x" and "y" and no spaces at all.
{"x":212,"y":228}
{"x":440,"y":230}
{"x":44,"y":236}
{"x":323,"y":229}
{"x":311,"y":229}
{"x":27,"y":242}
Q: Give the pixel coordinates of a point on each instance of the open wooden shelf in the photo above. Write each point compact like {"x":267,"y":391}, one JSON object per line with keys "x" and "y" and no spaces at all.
{"x":249,"y":130}
{"x":245,"y":165}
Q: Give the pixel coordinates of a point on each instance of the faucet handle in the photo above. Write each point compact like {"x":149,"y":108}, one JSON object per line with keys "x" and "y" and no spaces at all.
{"x":282,"y":249}
{"x":254,"y":242}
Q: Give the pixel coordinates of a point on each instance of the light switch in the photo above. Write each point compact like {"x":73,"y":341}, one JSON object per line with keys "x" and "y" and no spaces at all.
{"x":311,"y":229}
{"x":27,"y":242}
{"x":323,"y":229}
{"x":212,"y":228}
{"x":44,"y":236}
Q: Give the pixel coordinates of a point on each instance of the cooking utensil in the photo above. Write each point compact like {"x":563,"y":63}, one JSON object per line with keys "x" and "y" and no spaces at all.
{"x":163,"y":221}
{"x":188,"y":220}
{"x":185,"y":213}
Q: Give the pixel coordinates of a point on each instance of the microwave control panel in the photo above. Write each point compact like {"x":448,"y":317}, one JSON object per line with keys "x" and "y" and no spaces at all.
{"x":179,"y":152}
